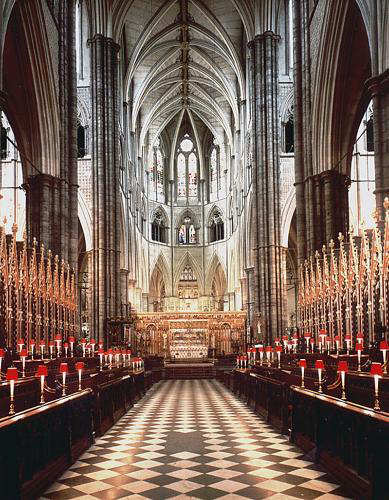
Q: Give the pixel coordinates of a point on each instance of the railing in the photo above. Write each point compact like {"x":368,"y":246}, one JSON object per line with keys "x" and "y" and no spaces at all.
{"x":351,"y":441}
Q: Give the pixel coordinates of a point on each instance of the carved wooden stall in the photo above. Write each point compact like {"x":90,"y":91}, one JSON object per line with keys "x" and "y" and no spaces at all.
{"x":189,"y":334}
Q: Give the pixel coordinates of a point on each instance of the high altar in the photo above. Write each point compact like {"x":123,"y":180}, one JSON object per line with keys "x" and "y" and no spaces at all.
{"x":186,"y":335}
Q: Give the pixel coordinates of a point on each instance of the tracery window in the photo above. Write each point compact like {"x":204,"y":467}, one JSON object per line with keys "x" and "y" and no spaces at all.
{"x":187,"y":274}
{"x":187,"y":169}
{"x":158,"y":228}
{"x":213,"y":171}
{"x":216,"y":228}
{"x":187,"y":232}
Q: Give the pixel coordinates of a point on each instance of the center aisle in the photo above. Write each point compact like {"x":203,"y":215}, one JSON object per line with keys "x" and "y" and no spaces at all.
{"x":193,"y":439}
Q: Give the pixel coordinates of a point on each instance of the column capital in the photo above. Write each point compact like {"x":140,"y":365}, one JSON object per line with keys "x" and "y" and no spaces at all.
{"x":379,"y":84}
{"x":104,"y":39}
{"x":263,"y":36}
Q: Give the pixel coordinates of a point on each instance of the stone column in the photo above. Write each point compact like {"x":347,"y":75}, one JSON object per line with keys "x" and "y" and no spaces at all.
{"x":105,"y":183}
{"x":267,"y":297}
{"x":379,"y":91}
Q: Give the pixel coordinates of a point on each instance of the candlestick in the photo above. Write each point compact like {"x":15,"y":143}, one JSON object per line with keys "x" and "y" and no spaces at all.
{"x":101,"y":354}
{"x":42,"y":346}
{"x":303,"y":365}
{"x":376,"y":371}
{"x":2,"y":354}
{"x":79,"y":367}
{"x":42,"y":373}
{"x":319,"y":365}
{"x":342,"y":369}
{"x":64,"y":369}
{"x":32,"y":347}
{"x":12,"y":376}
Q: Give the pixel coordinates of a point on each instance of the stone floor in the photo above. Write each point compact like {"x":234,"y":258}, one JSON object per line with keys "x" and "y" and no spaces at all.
{"x":193,"y":439}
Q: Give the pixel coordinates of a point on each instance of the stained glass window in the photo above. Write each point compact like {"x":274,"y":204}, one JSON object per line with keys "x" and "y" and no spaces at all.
{"x":187,"y":232}
{"x":181,"y":175}
{"x":192,"y":174}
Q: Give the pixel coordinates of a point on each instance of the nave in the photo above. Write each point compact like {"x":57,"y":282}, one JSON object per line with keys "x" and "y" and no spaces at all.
{"x":193,"y":439}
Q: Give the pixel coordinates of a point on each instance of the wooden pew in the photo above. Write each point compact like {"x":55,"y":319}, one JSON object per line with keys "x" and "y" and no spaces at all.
{"x":39,"y":444}
{"x":349,"y":440}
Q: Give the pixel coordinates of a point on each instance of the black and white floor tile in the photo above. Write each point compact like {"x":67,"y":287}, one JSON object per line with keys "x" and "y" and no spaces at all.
{"x":193,"y":439}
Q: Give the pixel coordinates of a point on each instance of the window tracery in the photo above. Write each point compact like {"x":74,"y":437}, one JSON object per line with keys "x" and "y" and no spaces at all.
{"x":187,"y":169}
{"x":187,"y":232}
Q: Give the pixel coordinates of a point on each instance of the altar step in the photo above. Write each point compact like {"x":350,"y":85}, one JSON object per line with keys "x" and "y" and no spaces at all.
{"x":189,"y":371}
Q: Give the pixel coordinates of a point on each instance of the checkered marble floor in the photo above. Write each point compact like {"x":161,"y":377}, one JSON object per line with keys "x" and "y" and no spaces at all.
{"x":193,"y":439}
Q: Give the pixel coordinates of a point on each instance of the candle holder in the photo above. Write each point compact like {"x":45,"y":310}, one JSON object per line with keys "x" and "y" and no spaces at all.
{"x":319,"y":365}
{"x":83,"y":344}
{"x":302,"y":365}
{"x":32,"y":347}
{"x":359,"y":349}
{"x":337,"y":342}
{"x":66,"y":348}
{"x":92,"y":347}
{"x":58,"y":340}
{"x":2,"y":354}
{"x":101,"y":354}
{"x":79,"y":367}
{"x":42,"y":373}
{"x":279,"y":351}
{"x":328,"y":343}
{"x":23,"y":356}
{"x":12,"y":376}
{"x":64,"y":369}
{"x":51,"y":348}
{"x":342,"y":369}
{"x":260,"y":349}
{"x":307,"y":337}
{"x":71,"y":342}
{"x":20,"y":345}
{"x":347,"y":338}
{"x":42,"y":346}
{"x":376,"y":371}
{"x":384,"y":347}
{"x":110,"y":356}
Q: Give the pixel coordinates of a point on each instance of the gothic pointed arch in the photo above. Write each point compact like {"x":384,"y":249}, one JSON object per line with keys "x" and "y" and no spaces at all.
{"x":188,"y":261}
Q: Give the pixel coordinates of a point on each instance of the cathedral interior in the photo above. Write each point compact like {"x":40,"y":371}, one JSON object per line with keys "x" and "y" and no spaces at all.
{"x":194,"y":249}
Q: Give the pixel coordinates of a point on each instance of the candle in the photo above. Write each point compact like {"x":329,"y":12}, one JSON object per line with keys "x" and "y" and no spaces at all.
{"x":23,"y":356}
{"x":307,"y":337}
{"x":376,"y":371}
{"x":101,"y":354}
{"x":279,"y":351}
{"x":20,"y":344}
{"x":328,"y":342}
{"x":51,"y":348}
{"x":92,"y":346}
{"x":384,"y":347}
{"x":2,"y":354}
{"x":348,"y":342}
{"x":64,"y":369}
{"x":32,"y":347}
{"x":12,"y":376}
{"x":312,"y":341}
{"x":302,"y":365}
{"x":79,"y":367}
{"x":342,"y":369}
{"x":58,"y":340}
{"x":359,"y":349}
{"x":337,"y":342}
{"x":42,"y":373}
{"x":66,"y":347}
{"x":83,"y":343}
{"x":42,"y":346}
{"x":319,"y":365}
{"x":260,"y":349}
{"x":71,"y":342}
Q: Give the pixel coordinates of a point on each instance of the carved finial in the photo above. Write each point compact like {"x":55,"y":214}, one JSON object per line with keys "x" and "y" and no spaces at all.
{"x":34,"y":242}
{"x":331,"y":244}
{"x":317,"y":255}
{"x":386,"y":203}
{"x":341,"y":237}
{"x":324,"y":249}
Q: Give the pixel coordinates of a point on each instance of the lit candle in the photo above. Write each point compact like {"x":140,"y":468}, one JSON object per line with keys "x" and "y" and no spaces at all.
{"x":101,"y":354}
{"x":79,"y":367}
{"x":342,"y":369}
{"x":384,"y":347}
{"x":319,"y":365}
{"x":32,"y":347}
{"x":42,"y":345}
{"x":312,"y":342}
{"x":83,"y":343}
{"x":12,"y":376}
{"x":302,"y":365}
{"x":376,"y":371}
{"x":92,"y":346}
{"x":20,"y":344}
{"x":359,"y":349}
{"x":71,"y":342}
{"x":337,"y":342}
{"x":269,"y":351}
{"x":295,"y":341}
{"x":66,"y":347}
{"x":322,"y":335}
{"x":58,"y":340}
{"x":328,"y":342}
{"x":279,"y":351}
{"x":42,"y":373}
{"x":2,"y":354}
{"x":307,"y":337}
{"x":23,"y":357}
{"x":360,"y":338}
{"x":347,"y":338}
{"x":110,"y":354}
{"x":51,"y":348}
{"x":64,"y":369}
{"x":260,"y":349}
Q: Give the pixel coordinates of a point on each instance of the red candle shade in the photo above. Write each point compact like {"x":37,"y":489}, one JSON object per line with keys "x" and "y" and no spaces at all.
{"x":384,"y":345}
{"x":65,"y":345}
{"x":269,"y":348}
{"x":319,"y":364}
{"x":342,"y":366}
{"x":2,"y":354}
{"x":307,"y":335}
{"x":101,"y":351}
{"x":337,"y":338}
{"x":347,"y":336}
{"x":376,"y":369}
{"x":93,"y":341}
{"x":359,"y":347}
{"x":51,"y":343}
{"x":58,"y":338}
{"x":32,"y":342}
{"x":302,"y":363}
{"x":63,"y":368}
{"x":278,"y":348}
{"x":20,"y":342}
{"x":79,"y":365}
{"x":260,"y":349}
{"x":71,"y":339}
{"x":360,"y":336}
{"x":110,"y":351}
{"x":42,"y":343}
{"x":83,"y":341}
{"x":312,"y":341}
{"x":42,"y":371}
{"x":23,"y":353}
{"x":12,"y":373}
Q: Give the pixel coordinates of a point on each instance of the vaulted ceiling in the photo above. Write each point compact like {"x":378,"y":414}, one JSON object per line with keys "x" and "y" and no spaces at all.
{"x":186,"y":62}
